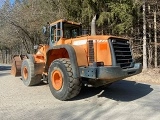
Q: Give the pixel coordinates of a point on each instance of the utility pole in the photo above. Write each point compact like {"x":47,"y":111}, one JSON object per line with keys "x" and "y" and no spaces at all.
{"x":144,"y":36}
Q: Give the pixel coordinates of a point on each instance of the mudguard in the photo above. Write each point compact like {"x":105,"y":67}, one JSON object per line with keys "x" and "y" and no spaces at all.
{"x":76,"y":55}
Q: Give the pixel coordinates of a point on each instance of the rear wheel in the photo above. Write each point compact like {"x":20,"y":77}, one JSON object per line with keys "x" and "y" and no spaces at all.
{"x":28,"y":73}
{"x":61,"y":82}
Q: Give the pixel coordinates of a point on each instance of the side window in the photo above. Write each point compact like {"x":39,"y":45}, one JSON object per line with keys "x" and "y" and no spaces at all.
{"x":74,"y":33}
{"x":58,"y":34}
{"x":67,"y":33}
{"x":71,"y":33}
{"x":53,"y":33}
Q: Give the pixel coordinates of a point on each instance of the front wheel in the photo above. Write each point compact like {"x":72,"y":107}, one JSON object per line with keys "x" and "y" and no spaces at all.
{"x":29,"y":77}
{"x":62,"y":84}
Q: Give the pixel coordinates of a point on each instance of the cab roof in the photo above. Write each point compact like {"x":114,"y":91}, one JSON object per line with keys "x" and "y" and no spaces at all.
{"x":66,"y":21}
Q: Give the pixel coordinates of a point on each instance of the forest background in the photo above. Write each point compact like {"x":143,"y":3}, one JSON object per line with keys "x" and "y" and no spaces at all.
{"x":138,"y":20}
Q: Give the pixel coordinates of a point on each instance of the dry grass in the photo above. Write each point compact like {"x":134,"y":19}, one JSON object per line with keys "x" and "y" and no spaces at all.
{"x":147,"y":76}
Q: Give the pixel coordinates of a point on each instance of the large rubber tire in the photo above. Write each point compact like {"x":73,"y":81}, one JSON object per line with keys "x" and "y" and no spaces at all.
{"x":69,"y":87}
{"x":28,"y":73}
{"x":31,"y":57}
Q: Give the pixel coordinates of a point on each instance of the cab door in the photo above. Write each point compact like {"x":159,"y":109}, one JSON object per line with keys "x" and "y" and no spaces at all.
{"x":55,"y":33}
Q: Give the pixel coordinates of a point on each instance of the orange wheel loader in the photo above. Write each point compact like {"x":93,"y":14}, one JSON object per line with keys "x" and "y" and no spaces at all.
{"x":71,"y":58}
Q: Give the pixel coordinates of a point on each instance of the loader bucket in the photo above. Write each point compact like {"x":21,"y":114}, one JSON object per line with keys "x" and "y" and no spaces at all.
{"x":16,"y":65}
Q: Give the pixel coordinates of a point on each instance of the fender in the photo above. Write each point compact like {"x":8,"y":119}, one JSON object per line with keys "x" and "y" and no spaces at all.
{"x":76,"y":55}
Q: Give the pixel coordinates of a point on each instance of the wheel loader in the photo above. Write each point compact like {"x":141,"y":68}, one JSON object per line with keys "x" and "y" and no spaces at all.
{"x":71,"y":59}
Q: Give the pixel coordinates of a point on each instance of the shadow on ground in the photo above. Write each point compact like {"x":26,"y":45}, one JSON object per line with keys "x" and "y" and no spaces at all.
{"x":119,"y":91}
{"x":3,"y":68}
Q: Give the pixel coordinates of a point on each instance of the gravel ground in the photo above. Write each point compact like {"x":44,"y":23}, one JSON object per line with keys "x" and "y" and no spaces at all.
{"x":123,"y":100}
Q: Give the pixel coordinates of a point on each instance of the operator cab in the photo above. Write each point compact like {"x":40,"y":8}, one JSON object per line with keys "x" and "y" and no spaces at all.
{"x":64,"y":29}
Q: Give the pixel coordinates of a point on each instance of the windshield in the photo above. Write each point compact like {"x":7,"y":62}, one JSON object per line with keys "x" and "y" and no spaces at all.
{"x":71,"y":30}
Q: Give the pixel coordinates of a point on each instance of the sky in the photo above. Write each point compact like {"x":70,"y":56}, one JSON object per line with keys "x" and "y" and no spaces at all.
{"x":2,"y":2}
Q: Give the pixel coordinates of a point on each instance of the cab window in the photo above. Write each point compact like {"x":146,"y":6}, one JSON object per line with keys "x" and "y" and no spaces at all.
{"x":71,"y":30}
{"x":53,"y":34}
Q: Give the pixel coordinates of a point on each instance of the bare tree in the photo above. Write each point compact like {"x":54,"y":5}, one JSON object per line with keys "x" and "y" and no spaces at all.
{"x":144,"y":37}
{"x":155,"y":37}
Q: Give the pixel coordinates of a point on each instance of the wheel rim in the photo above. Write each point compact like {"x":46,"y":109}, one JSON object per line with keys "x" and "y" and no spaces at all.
{"x":57,"y":80}
{"x":25,"y":73}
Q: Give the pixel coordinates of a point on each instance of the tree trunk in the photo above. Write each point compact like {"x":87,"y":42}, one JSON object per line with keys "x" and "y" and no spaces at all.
{"x":150,"y":50}
{"x":155,"y":38}
{"x":6,"y":56}
{"x":144,"y":38}
{"x":3,"y":56}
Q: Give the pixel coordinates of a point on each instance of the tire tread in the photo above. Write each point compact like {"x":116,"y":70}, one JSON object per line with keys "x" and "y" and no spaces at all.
{"x":74,"y":84}
{"x":32,"y":78}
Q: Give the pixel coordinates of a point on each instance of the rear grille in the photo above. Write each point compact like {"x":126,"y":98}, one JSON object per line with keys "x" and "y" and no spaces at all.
{"x":122,"y":52}
{"x":91,"y":51}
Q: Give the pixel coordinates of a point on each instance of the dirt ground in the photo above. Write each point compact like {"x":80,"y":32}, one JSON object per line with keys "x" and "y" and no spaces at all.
{"x":135,"y":98}
{"x":147,"y":76}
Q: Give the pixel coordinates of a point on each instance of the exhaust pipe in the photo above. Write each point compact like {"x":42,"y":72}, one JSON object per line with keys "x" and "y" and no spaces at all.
{"x":93,"y":25}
